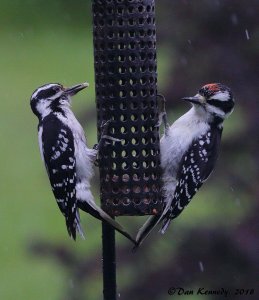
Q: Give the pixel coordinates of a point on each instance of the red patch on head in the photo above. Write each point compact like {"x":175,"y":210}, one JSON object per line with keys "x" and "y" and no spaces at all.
{"x":213,"y":87}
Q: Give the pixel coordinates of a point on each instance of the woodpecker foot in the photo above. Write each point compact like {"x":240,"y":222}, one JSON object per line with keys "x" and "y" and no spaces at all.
{"x":105,"y":138}
{"x":162,"y":118}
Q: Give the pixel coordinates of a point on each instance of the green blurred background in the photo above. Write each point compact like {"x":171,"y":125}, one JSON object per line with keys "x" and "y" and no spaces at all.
{"x":214,"y":243}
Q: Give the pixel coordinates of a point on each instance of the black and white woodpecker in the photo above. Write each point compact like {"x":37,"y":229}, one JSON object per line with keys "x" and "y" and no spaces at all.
{"x":189,"y":150}
{"x":68,"y":160}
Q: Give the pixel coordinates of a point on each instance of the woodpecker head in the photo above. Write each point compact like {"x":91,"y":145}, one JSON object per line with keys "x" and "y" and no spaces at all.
{"x":215,"y":99}
{"x":52,"y":97}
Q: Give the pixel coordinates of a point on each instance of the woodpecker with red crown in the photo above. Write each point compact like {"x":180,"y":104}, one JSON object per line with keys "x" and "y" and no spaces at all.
{"x":189,"y":150}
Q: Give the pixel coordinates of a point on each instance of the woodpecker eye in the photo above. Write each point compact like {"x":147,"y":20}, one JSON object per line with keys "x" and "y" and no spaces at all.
{"x":57,"y":88}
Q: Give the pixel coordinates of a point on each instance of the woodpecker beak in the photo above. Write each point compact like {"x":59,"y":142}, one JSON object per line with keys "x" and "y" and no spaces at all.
{"x":197,"y":99}
{"x":71,"y":91}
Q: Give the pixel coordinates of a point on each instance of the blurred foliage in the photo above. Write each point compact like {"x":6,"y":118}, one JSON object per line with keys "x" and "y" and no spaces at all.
{"x":214,"y":243}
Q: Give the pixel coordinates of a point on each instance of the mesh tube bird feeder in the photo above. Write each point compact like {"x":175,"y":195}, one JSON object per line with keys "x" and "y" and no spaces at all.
{"x":124,"y":34}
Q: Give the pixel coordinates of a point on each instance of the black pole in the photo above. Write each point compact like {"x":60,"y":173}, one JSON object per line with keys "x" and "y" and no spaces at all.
{"x":124,"y":36}
{"x":109,"y":263}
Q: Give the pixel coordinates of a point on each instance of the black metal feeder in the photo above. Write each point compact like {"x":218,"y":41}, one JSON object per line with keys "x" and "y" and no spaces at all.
{"x":124,"y":34}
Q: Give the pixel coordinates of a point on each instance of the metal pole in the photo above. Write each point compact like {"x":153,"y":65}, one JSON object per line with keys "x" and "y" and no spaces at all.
{"x":109,"y":263}
{"x":124,"y":36}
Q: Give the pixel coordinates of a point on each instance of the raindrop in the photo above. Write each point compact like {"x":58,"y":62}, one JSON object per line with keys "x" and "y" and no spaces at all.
{"x":201,"y":266}
{"x":247,"y":34}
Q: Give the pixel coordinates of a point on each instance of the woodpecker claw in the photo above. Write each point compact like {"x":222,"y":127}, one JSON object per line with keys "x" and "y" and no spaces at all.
{"x":162,"y":118}
{"x":104,"y":135}
{"x":105,"y":126}
{"x":107,"y":137}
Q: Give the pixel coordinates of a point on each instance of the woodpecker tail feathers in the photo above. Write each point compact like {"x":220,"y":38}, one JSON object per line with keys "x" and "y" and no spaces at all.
{"x":91,"y":208}
{"x":145,"y":230}
{"x":150,"y":224}
{"x":75,"y":227}
{"x":165,"y":225}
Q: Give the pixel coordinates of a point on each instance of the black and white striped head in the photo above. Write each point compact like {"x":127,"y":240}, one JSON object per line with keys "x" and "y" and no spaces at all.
{"x":215,"y":99}
{"x":52,"y":97}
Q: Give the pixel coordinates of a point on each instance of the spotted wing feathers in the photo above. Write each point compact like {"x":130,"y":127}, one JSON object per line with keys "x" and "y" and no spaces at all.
{"x":58,"y":152}
{"x":196,"y":166}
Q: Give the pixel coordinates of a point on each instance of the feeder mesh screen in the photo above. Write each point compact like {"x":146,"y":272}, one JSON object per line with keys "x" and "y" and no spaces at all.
{"x":126,"y":88}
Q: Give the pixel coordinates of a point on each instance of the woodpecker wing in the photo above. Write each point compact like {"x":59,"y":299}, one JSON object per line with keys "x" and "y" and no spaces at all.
{"x":58,"y":152}
{"x":196,"y":166}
